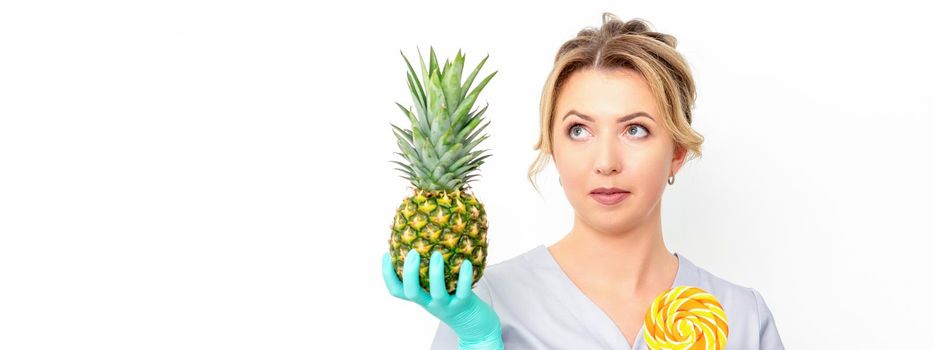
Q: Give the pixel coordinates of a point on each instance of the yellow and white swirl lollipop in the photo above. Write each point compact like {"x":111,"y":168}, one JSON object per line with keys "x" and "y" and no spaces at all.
{"x":686,"y":318}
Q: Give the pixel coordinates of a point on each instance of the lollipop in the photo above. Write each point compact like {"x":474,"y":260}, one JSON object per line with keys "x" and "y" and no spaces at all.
{"x":686,"y":318}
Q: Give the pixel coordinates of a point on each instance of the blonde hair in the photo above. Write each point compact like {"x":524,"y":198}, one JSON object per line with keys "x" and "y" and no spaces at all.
{"x":630,"y":44}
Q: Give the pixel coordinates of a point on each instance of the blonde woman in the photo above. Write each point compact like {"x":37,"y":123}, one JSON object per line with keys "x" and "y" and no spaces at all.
{"x":616,"y":121}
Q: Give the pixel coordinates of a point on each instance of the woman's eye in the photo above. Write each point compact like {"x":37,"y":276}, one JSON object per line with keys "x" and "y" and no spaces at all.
{"x":633,"y":127}
{"x":574,"y":128}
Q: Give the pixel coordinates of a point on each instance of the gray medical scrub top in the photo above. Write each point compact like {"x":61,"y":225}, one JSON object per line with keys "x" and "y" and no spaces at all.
{"x":539,"y":307}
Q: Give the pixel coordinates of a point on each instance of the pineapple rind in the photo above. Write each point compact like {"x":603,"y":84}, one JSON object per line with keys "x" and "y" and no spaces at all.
{"x":456,"y":228}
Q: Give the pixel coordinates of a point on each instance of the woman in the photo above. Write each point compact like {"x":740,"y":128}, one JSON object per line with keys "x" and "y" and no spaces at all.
{"x":616,"y":120}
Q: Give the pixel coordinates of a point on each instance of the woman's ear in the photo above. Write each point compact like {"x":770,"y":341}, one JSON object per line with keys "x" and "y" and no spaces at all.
{"x":680,"y":153}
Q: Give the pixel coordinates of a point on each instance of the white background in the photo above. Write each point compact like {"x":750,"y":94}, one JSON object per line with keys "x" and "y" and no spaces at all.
{"x":215,"y":175}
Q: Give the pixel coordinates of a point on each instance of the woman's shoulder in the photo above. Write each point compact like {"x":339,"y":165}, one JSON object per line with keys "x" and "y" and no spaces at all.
{"x":528,"y":270}
{"x":521,"y":264}
{"x":744,"y":305}
{"x":697,"y":276}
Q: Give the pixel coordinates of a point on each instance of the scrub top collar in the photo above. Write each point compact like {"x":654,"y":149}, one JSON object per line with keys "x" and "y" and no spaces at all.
{"x":585,"y":310}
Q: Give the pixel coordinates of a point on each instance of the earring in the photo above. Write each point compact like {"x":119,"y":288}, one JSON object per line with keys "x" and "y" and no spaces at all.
{"x":558,"y":181}
{"x":670,"y":180}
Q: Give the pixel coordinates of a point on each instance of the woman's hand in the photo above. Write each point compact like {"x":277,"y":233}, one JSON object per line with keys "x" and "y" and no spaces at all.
{"x":475,"y":322}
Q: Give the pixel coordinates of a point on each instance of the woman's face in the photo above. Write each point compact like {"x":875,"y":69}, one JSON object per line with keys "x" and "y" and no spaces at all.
{"x":592,"y":149}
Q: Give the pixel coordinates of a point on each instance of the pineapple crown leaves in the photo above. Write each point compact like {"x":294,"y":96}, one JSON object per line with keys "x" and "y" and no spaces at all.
{"x":439,"y":145}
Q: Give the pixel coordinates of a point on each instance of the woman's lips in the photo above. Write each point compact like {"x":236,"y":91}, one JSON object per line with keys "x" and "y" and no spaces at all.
{"x":610,"y":198}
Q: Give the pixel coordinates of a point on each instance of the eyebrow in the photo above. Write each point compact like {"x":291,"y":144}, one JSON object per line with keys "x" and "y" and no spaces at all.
{"x":620,"y":120}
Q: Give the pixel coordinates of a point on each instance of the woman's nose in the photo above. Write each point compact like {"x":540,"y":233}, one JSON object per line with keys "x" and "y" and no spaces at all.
{"x":608,"y":169}
{"x":608,"y":161}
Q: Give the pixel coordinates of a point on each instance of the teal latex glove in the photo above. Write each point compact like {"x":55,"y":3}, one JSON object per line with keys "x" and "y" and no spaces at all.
{"x":475,"y":322}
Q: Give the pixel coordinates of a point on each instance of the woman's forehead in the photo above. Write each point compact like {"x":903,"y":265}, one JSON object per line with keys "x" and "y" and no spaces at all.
{"x":605,"y":94}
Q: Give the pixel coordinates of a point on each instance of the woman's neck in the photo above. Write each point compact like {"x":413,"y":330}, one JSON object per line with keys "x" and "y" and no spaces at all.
{"x":632,"y":263}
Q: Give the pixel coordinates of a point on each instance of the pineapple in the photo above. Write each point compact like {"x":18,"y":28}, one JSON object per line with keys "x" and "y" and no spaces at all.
{"x":441,"y":214}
